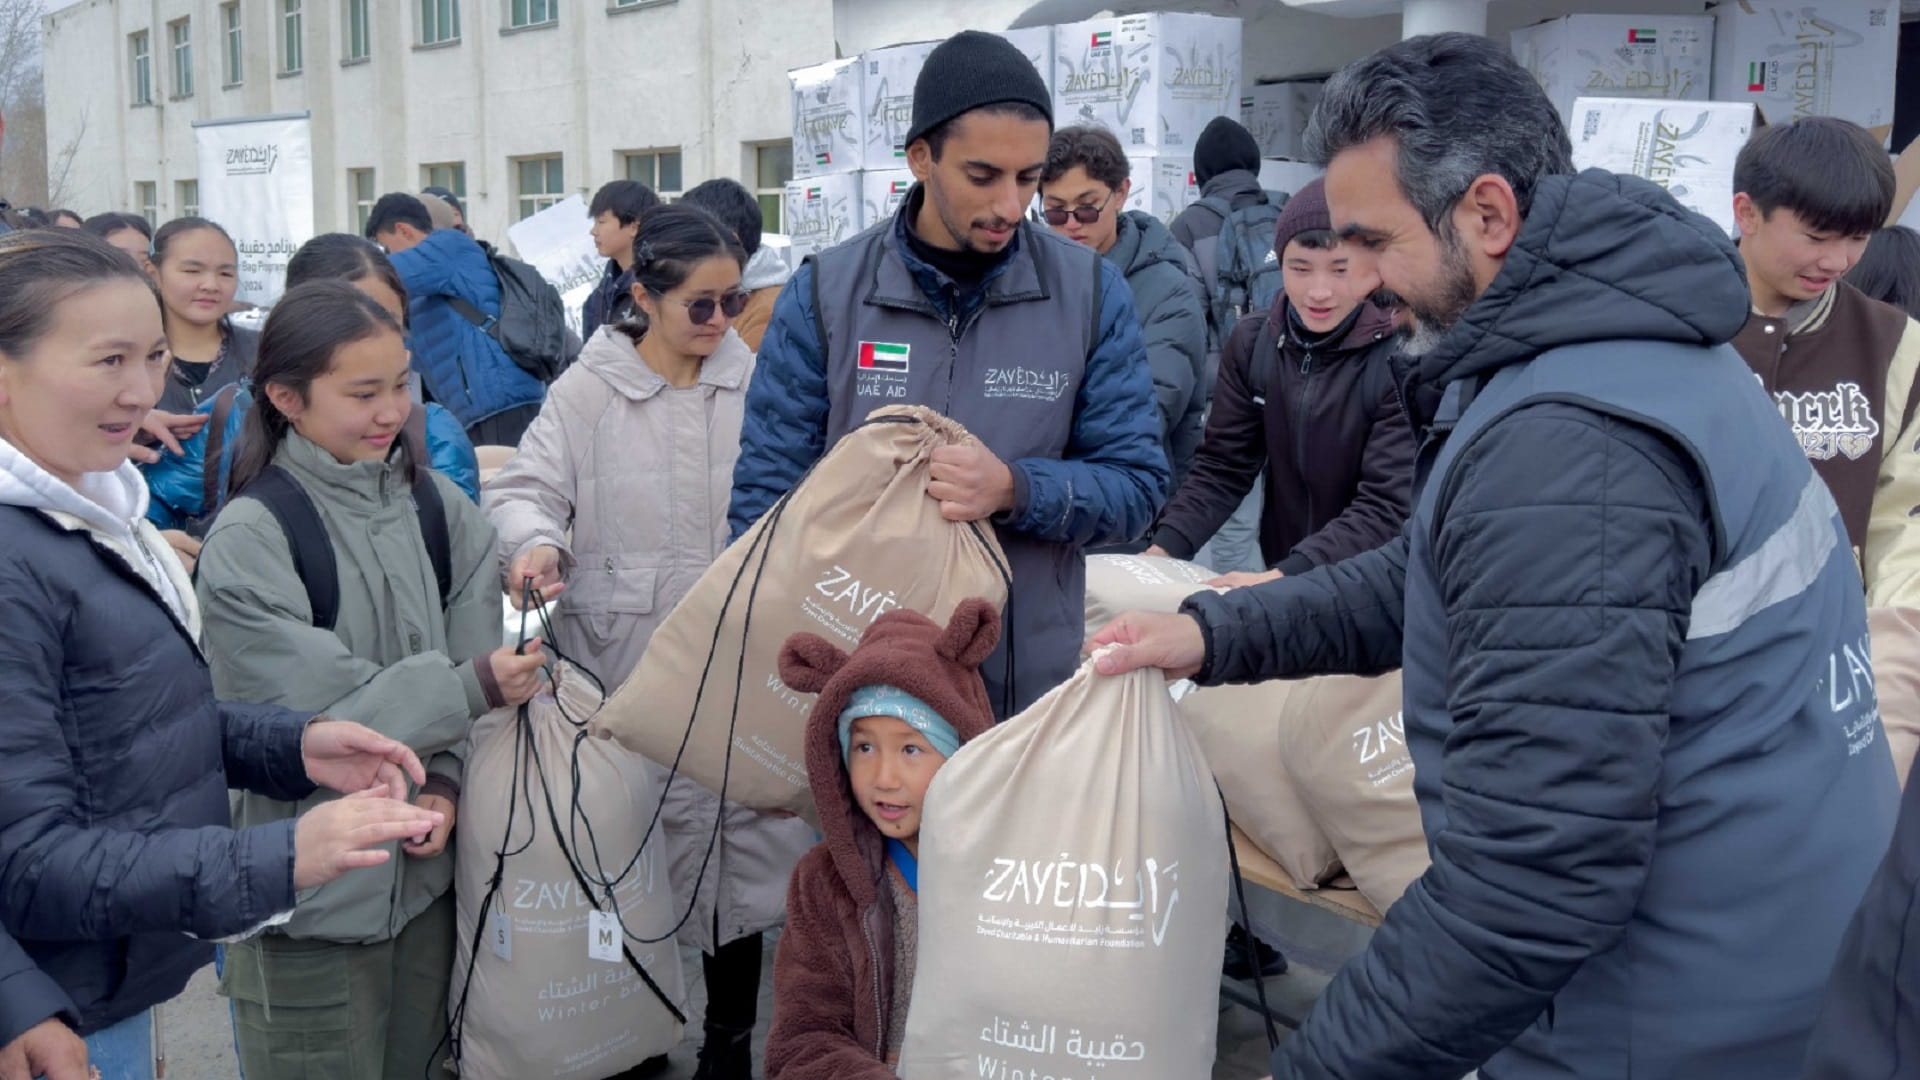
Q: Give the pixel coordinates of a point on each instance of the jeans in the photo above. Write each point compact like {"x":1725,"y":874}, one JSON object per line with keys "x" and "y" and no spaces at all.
{"x":125,"y":1050}
{"x":1236,"y":546}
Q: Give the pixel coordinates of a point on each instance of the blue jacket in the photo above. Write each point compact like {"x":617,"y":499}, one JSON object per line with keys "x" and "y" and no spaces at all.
{"x":115,"y":762}
{"x":463,"y":367}
{"x":1647,"y":756}
{"x":176,"y":481}
{"x":609,"y":302}
{"x":1075,"y":500}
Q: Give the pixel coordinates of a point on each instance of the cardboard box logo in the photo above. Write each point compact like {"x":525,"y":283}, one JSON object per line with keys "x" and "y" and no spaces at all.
{"x":813,"y":193}
{"x":1641,"y":37}
{"x":1757,"y":77}
{"x":1103,"y":39}
{"x":824,"y":157}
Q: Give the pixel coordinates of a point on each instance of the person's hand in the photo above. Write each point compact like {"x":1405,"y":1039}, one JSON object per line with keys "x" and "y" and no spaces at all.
{"x":435,"y":842}
{"x":969,"y":483}
{"x":352,"y":833}
{"x":542,"y":564}
{"x":184,"y":546}
{"x":347,"y":757}
{"x":1172,"y":643}
{"x":1157,"y":552}
{"x":517,"y":676}
{"x":1240,"y":580}
{"x":167,"y":430}
{"x":48,"y":1049}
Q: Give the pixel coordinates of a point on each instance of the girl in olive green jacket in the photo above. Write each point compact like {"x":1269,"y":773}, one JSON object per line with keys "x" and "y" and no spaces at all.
{"x":355,"y":986}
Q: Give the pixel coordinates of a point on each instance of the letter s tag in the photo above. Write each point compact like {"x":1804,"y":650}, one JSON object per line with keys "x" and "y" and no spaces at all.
{"x":603,"y":936}
{"x":501,"y":935}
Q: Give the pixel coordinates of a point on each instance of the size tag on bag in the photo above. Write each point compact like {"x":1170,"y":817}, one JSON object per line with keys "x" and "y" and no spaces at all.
{"x":603,"y":936}
{"x":502,"y":935}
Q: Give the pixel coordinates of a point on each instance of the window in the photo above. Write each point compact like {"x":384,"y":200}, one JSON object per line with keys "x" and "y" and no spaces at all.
{"x":451,"y":175}
{"x":235,"y":58}
{"x":292,"y":51}
{"x":542,"y":183}
{"x":181,"y":35}
{"x":522,"y":13}
{"x":772,"y":168}
{"x":146,"y":200}
{"x":634,"y":5}
{"x":439,"y":21}
{"x":186,"y":197}
{"x":142,"y":68}
{"x":361,"y":191}
{"x":359,"y":34}
{"x":658,"y":169}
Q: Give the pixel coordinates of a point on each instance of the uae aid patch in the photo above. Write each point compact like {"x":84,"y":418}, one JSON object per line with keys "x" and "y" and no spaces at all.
{"x":884,"y":356}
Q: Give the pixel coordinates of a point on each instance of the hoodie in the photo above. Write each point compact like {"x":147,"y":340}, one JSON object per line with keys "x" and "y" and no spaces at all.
{"x":836,"y":987}
{"x":766,"y":274}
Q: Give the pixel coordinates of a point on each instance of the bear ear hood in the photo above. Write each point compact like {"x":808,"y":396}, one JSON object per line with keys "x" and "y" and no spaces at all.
{"x":940,"y":665}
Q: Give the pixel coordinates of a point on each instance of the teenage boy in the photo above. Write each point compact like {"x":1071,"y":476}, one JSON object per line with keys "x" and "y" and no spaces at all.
{"x":1840,"y":366}
{"x":1309,"y":400}
{"x":615,"y":210}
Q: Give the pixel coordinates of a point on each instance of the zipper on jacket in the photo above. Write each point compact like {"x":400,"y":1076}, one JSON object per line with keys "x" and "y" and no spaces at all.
{"x":953,"y":362}
{"x":1300,"y":431}
{"x":879,"y":1012}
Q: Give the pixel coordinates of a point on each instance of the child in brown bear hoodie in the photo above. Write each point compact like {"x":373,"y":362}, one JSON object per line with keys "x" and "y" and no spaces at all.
{"x":887,"y":718}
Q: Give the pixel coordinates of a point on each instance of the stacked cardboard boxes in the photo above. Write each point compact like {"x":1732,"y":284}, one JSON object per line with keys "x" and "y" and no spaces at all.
{"x":1687,"y":147}
{"x":1618,"y":56}
{"x":1836,"y":58}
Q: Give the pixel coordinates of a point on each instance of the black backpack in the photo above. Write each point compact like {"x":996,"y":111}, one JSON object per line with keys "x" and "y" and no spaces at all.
{"x":532,"y":327}
{"x":313,"y":557}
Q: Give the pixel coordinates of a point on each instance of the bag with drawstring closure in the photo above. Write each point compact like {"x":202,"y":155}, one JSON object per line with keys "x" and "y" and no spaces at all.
{"x":856,"y":538}
{"x":551,"y":831}
{"x":1073,"y":895}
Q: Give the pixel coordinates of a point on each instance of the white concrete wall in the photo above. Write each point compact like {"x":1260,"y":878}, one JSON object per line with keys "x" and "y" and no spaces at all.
{"x":707,"y":77}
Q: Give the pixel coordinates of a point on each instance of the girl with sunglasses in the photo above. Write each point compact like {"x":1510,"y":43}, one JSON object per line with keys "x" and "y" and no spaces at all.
{"x":617,"y":502}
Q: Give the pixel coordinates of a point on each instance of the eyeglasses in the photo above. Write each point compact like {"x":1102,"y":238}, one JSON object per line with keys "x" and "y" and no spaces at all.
{"x":1086,"y":215}
{"x":700,"y":312}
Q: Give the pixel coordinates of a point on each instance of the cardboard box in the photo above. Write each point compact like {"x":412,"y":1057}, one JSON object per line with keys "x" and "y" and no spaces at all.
{"x":1687,"y":147}
{"x":1793,"y":60}
{"x":1163,"y":185}
{"x":1618,"y":56}
{"x":882,"y":192}
{"x":1037,"y":43}
{"x":823,"y":211}
{"x":1277,"y":114}
{"x":1287,"y":176}
{"x":1153,"y":80}
{"x":829,"y":127}
{"x":886,"y":100}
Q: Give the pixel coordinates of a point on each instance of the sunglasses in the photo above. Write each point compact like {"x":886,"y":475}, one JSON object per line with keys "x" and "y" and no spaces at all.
{"x":700,"y":312}
{"x":1057,"y":216}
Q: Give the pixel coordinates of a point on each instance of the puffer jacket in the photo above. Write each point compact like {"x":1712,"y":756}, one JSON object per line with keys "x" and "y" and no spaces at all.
{"x":238,"y":349}
{"x":628,"y":477}
{"x":610,"y":301}
{"x":834,"y":979}
{"x":401,"y":660}
{"x":115,"y":761}
{"x":178,"y":481}
{"x":463,"y":367}
{"x":1173,"y":317}
{"x":1649,"y":767}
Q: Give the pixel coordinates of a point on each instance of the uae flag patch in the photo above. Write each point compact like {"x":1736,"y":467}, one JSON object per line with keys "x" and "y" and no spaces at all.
{"x":884,"y":356}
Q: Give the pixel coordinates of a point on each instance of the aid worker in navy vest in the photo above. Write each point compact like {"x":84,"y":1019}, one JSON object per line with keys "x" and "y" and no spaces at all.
{"x":1646,"y":749}
{"x":960,"y":304}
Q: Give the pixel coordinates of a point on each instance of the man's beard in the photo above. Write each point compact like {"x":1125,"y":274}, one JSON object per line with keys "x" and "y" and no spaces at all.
{"x":961,"y":232}
{"x":1434,"y":318}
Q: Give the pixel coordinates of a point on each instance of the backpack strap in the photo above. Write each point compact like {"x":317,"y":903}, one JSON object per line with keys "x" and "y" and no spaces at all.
{"x":212,"y":471}
{"x":1266,"y":356}
{"x":431,"y":509}
{"x":470,"y":313}
{"x":307,"y":539}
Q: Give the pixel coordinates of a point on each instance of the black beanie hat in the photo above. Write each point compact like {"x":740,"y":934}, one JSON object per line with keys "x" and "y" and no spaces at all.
{"x":968,"y":71}
{"x":1223,"y":147}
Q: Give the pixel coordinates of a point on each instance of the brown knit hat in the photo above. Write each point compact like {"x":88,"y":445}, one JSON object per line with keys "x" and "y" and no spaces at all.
{"x":1306,"y":211}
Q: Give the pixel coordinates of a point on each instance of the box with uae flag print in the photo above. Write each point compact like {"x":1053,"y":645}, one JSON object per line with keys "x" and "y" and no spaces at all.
{"x":1153,"y":80}
{"x":829,"y":125}
{"x":1618,"y":56}
{"x":881,"y":193}
{"x":1687,"y":147}
{"x":823,"y":211}
{"x":1833,"y":58}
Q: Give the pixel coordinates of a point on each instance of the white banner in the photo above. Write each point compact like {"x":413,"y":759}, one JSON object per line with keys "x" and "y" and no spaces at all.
{"x":558,"y":242}
{"x":256,"y":180}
